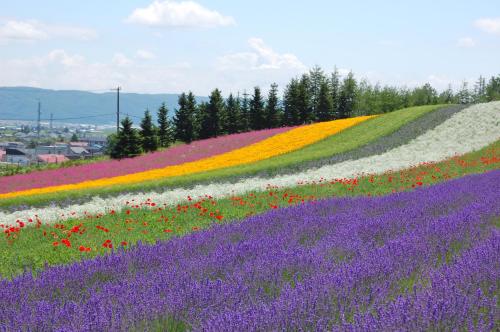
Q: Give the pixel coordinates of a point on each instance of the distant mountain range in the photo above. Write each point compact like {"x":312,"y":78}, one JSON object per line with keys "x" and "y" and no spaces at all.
{"x":71,"y":106}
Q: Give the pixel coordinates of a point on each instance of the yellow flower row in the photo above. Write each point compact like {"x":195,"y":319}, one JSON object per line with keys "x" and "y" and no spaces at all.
{"x":276,"y":145}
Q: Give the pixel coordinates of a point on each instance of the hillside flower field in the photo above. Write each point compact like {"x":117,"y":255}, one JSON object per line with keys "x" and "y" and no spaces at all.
{"x":110,"y":168}
{"x":383,"y":223}
{"x":279,"y":144}
{"x":345,"y":263}
{"x":479,"y":133}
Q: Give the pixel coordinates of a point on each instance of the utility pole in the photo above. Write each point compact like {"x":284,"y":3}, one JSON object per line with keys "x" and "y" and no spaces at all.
{"x":117,"y":109}
{"x":51,"y":119}
{"x":38,"y":120}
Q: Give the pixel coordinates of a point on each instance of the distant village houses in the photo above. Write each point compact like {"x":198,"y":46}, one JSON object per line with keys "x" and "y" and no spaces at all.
{"x":17,"y":153}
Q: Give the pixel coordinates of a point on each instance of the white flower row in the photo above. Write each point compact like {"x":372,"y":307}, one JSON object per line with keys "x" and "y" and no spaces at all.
{"x":469,"y":130}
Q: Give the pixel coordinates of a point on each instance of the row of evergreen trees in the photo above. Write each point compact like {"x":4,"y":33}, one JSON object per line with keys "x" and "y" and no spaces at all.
{"x":310,"y":98}
{"x":130,"y":142}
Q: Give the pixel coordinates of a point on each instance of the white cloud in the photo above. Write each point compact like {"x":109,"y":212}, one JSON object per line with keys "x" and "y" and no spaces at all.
{"x":59,"y":69}
{"x":184,"y":14}
{"x":121,"y":60}
{"x":65,"y":59}
{"x":466,"y":42}
{"x":144,"y":55}
{"x":19,"y":30}
{"x":32,"y":30}
{"x":489,"y":25}
{"x":260,"y":66}
{"x":262,"y":57}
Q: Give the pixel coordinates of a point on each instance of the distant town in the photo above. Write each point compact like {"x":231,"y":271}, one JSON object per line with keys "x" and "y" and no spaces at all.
{"x":25,"y":143}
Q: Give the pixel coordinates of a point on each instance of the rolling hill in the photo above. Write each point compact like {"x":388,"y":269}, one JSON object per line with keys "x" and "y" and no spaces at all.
{"x":20,"y":103}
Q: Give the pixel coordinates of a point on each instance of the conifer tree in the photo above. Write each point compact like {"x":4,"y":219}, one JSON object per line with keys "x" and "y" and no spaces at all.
{"x":198,"y":118}
{"x":493,"y":89}
{"x":245,"y":113}
{"x":447,"y":96}
{"x":148,"y":133}
{"x":211,"y":121}
{"x":233,"y":115}
{"x":335,"y":92}
{"x":324,"y":107}
{"x":272,"y":111}
{"x":347,"y":97}
{"x":316,"y":78}
{"x":128,"y":141}
{"x":257,"y":110}
{"x":464,"y":95}
{"x":291,"y":112}
{"x":184,"y":118}
{"x":164,"y":127}
{"x":480,"y":90}
{"x":304,"y":101}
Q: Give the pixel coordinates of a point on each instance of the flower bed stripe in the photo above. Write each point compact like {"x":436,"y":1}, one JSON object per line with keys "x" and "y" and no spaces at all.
{"x":468,"y":130}
{"x":172,"y":156}
{"x":347,"y":140}
{"x":400,"y":137}
{"x":279,"y":144}
{"x":335,"y":264}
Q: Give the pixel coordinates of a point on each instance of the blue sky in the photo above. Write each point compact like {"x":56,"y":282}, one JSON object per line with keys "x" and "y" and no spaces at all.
{"x":173,"y":46}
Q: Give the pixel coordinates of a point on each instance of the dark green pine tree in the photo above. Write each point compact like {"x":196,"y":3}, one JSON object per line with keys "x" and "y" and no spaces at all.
{"x":148,"y":133}
{"x":324,"y":107}
{"x":257,"y":110}
{"x":233,"y":114}
{"x":165,"y":135}
{"x":223,"y":117}
{"x":347,"y":97}
{"x":272,"y":111}
{"x":184,"y":118}
{"x":304,"y":101}
{"x":493,"y":89}
{"x":335,"y":92}
{"x":198,"y":118}
{"x":316,"y":78}
{"x":245,"y":113}
{"x":211,"y":121}
{"x":291,"y":104}
{"x":128,"y":141}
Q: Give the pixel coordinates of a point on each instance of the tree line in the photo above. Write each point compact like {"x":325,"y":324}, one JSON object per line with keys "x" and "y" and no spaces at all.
{"x":313,"y":97}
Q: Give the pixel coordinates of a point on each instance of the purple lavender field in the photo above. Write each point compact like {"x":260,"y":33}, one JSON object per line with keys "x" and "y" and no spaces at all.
{"x":422,"y":260}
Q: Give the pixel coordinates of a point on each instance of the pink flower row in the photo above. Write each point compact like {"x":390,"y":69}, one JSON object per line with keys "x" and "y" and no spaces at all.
{"x":173,"y":156}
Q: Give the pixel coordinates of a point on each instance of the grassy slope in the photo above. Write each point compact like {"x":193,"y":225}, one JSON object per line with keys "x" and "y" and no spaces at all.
{"x":31,"y":248}
{"x":346,"y":140}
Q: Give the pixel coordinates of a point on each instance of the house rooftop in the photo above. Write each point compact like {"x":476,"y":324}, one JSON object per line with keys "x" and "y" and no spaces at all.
{"x":52,"y":158}
{"x":14,"y":152}
{"x":78,"y":150}
{"x":79,"y":144}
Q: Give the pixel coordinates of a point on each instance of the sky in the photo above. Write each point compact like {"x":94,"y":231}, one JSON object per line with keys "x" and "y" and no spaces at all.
{"x":149,"y":46}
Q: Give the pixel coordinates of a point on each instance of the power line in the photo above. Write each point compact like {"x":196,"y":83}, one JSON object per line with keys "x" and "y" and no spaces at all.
{"x":60,"y":119}
{"x":83,"y":117}
{"x":117,"y":109}
{"x":38,"y":121}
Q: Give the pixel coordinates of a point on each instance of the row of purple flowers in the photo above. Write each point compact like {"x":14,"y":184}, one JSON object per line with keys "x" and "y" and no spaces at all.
{"x":422,"y":260}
